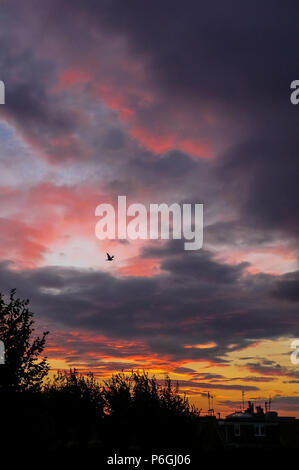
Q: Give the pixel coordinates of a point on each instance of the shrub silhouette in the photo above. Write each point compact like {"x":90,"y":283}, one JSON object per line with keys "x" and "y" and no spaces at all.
{"x":71,"y":410}
{"x":22,"y":369}
{"x":152,"y":413}
{"x":75,"y":407}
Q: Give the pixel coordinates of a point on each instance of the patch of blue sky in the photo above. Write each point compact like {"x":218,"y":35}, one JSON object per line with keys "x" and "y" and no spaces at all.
{"x":19,"y":165}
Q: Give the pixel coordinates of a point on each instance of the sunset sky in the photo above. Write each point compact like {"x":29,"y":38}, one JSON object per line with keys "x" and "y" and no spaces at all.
{"x":171,"y":101}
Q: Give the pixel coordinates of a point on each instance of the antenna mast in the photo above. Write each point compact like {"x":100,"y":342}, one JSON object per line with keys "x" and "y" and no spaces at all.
{"x":211,"y":402}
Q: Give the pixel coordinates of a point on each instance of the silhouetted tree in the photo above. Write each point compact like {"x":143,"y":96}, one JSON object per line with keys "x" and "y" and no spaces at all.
{"x":23,"y":368}
{"x":142,"y":412}
{"x":130,"y":411}
{"x":78,"y":387}
{"x":75,"y":405}
{"x":138,"y":390}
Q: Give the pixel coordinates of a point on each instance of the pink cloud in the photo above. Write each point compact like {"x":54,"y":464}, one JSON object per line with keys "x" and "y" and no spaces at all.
{"x":70,"y":77}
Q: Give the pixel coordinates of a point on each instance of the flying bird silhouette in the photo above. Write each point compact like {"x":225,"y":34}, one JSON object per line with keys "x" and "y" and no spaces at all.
{"x":109,"y":257}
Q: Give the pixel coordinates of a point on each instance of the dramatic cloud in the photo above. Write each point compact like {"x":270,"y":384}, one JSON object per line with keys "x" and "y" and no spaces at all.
{"x":161,"y":102}
{"x":195,"y":300}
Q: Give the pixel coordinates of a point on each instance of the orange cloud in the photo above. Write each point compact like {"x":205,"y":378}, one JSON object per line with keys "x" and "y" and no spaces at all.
{"x":201,"y":346}
{"x":141,"y":267}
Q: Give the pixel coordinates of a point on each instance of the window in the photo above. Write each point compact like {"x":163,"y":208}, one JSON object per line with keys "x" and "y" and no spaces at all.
{"x":237,"y":430}
{"x":259,"y":430}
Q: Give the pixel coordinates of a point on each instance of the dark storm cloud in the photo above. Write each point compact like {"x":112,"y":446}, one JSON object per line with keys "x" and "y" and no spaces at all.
{"x":113,"y":139}
{"x":30,"y":105}
{"x":273,"y":370}
{"x":175,"y":309}
{"x":233,"y":63}
{"x":287,"y":287}
{"x":197,"y":375}
{"x":238,"y":60}
{"x":264,"y":178}
{"x":218,"y":378}
{"x":239,"y":233}
{"x":174,"y":167}
{"x":191,"y":179}
{"x":203,"y":269}
{"x":207,"y":50}
{"x":54,"y":123}
{"x":220,"y":386}
{"x":290,"y":403}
